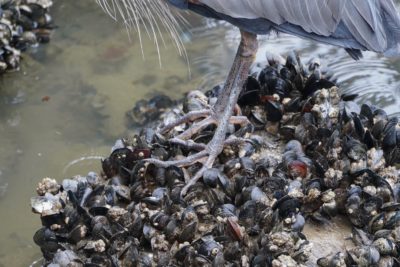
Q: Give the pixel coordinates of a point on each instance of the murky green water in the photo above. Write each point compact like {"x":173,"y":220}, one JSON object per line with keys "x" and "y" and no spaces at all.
{"x":91,"y":75}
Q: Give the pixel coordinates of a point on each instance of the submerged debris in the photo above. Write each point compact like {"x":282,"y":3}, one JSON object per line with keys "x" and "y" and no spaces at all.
{"x":23,"y":23}
{"x":309,"y":157}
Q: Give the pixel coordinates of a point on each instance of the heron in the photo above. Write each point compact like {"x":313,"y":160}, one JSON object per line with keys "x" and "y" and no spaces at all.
{"x":354,"y":25}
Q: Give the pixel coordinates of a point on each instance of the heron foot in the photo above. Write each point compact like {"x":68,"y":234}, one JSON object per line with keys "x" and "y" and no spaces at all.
{"x":207,"y":153}
{"x":220,"y":115}
{"x":212,"y":119}
{"x":189,"y":117}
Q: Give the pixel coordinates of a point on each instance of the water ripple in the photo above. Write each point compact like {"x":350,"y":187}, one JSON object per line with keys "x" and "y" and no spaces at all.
{"x":375,"y":78}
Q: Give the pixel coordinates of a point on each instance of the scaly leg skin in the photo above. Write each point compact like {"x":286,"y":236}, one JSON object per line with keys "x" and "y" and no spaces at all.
{"x":220,"y":115}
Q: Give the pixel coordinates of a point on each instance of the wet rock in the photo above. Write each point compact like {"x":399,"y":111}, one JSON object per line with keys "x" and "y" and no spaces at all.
{"x":23,"y":24}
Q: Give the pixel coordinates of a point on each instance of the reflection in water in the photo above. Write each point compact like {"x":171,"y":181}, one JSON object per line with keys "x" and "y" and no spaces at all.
{"x":91,"y":75}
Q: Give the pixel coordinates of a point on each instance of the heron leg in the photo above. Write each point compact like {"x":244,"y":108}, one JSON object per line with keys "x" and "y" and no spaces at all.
{"x":220,"y":115}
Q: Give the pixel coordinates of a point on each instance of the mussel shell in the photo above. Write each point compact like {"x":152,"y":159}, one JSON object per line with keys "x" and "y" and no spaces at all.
{"x":297,"y":168}
{"x":298,"y":225}
{"x":149,"y":232}
{"x":99,"y":210}
{"x":293,"y":63}
{"x":78,"y":233}
{"x":119,"y":157}
{"x":248,"y":212}
{"x":248,"y":165}
{"x":358,"y":127}
{"x":286,"y":74}
{"x":354,"y":149}
{"x":274,"y":111}
{"x":376,"y":223}
{"x":349,"y":97}
{"x":46,"y":239}
{"x":98,"y":260}
{"x":232,"y":250}
{"x":225,"y":210}
{"x":389,"y":134}
{"x":46,"y":205}
{"x":173,"y":174}
{"x":66,"y":258}
{"x":385,"y":246}
{"x":98,"y":201}
{"x":208,"y":247}
{"x":172,"y":229}
{"x":234,"y":229}
{"x":48,"y":220}
{"x":279,"y":86}
{"x":188,"y":232}
{"x":159,"y":175}
{"x":393,"y":157}
{"x":390,"y":206}
{"x":69,"y":185}
{"x":287,"y":206}
{"x":250,"y":95}
{"x":372,"y":204}
{"x":232,"y":167}
{"x":160,"y":220}
{"x":157,"y":198}
{"x":320,"y":164}
{"x":380,"y":114}
{"x":71,"y":216}
{"x":367,"y":111}
{"x":313,"y":84}
{"x":266,"y":74}
{"x":387,"y":261}
{"x":100,"y":227}
{"x":211,"y":177}
{"x":287,"y":132}
{"x":123,"y":193}
{"x":257,"y":194}
{"x":377,"y":129}
{"x":369,"y":140}
{"x":367,"y":255}
{"x":393,"y":221}
{"x":183,"y":252}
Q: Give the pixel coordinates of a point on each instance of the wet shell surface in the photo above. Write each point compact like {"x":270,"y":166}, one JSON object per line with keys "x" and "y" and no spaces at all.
{"x":23,"y":24}
{"x":307,"y":161}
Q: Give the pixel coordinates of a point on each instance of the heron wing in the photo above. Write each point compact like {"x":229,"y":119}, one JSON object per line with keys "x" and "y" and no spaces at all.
{"x":364,"y":21}
{"x":317,"y":16}
{"x":362,"y":18}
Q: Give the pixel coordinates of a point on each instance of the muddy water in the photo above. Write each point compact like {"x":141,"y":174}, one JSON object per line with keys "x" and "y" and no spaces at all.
{"x":66,"y":106}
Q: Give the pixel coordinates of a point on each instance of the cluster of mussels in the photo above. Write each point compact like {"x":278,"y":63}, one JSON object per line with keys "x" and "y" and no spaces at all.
{"x":310,"y":154}
{"x":23,"y":23}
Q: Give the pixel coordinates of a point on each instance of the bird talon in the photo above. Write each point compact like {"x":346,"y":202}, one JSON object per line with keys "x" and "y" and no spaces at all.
{"x":192,"y":181}
{"x":188,"y":117}
{"x":189,"y":144}
{"x":190,"y":160}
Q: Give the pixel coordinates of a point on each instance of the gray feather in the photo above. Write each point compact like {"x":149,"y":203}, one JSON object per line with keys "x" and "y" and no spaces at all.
{"x":367,"y":24}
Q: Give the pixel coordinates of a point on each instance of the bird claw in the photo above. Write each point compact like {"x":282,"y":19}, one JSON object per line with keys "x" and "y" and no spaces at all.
{"x":188,"y":117}
{"x":208,"y":163}
{"x":190,"y":160}
{"x":207,"y":153}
